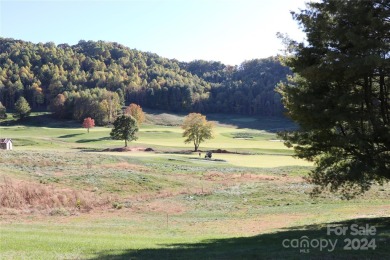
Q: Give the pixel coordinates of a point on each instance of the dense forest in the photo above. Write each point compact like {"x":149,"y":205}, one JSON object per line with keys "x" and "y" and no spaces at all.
{"x":94,"y":79}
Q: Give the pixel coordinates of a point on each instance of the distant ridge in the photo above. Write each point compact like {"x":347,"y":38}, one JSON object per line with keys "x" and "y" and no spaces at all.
{"x":39,"y":72}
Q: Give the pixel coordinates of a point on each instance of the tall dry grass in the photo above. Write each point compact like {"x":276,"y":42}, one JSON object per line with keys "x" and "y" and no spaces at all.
{"x":21,"y":194}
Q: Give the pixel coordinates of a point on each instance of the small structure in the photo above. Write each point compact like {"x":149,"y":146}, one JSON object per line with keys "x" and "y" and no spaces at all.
{"x":208,"y":155}
{"x":6,"y":144}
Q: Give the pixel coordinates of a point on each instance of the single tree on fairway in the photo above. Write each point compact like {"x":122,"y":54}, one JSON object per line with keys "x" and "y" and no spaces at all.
{"x":197,"y":129}
{"x":125,"y":128}
{"x":135,"y":111}
{"x":22,"y":108}
{"x":340,"y":94}
{"x":88,"y":123}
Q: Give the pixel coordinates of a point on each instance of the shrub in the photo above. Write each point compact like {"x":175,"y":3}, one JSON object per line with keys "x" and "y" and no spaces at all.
{"x":59,"y":212}
{"x":117,"y":205}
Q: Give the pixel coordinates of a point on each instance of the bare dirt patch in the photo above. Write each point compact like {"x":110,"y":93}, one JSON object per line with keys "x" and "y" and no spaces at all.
{"x":248,"y":177}
{"x":249,"y":226}
{"x":226,"y":151}
{"x":163,"y":206}
{"x":129,"y":149}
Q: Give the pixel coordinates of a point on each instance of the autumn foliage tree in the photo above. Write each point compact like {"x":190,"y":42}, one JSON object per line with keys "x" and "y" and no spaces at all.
{"x":135,"y":111}
{"x":88,"y":123}
{"x":197,"y":129}
{"x":57,"y":106}
{"x":94,"y":76}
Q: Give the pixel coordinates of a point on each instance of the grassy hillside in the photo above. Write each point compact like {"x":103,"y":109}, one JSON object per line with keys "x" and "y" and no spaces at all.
{"x":64,"y":195}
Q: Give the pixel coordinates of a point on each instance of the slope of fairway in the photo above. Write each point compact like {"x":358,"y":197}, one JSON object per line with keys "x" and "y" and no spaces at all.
{"x":69,"y":194}
{"x":224,"y":138}
{"x":42,"y":132}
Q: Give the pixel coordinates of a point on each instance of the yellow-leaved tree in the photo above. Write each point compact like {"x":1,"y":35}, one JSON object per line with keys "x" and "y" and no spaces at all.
{"x":135,"y":111}
{"x":197,"y":129}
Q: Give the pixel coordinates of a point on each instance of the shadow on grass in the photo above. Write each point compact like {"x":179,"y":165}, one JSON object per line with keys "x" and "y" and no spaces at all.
{"x":42,"y":120}
{"x":267,"y":123}
{"x":93,"y":140}
{"x":269,"y":246}
{"x":69,"y":136}
{"x":271,"y":124}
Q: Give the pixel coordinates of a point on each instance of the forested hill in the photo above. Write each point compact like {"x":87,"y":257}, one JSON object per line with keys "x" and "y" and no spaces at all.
{"x":247,"y":89}
{"x":99,"y":73}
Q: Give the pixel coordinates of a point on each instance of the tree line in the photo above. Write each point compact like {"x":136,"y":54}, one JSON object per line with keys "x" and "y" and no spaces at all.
{"x":94,"y":79}
{"x":247,"y":89}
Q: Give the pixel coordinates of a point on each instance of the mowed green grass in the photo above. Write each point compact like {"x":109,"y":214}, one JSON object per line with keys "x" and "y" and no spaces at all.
{"x":263,"y":148}
{"x":175,"y":206}
{"x":216,"y":226}
{"x":125,"y":238}
{"x":81,"y":241}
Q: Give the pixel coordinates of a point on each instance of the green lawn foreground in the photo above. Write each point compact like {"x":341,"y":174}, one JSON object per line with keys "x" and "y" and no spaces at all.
{"x":118,"y":241}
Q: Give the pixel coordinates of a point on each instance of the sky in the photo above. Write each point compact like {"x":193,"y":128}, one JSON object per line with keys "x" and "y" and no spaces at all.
{"x":230,"y":31}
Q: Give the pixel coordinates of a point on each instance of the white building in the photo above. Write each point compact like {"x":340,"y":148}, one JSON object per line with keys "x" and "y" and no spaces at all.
{"x":6,"y":144}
